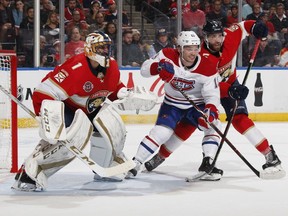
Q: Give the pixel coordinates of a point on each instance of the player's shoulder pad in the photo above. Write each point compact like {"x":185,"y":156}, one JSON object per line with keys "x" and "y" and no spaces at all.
{"x":171,"y":54}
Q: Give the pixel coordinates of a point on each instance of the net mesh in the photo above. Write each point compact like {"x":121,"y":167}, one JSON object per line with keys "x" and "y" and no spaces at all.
{"x":5,"y":114}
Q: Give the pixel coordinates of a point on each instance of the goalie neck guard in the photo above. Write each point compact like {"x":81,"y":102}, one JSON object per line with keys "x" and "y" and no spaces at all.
{"x":97,"y":47}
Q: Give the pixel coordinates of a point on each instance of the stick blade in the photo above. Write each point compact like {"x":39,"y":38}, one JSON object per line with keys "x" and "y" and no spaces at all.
{"x":196,"y":177}
{"x":116,"y":170}
{"x":272,"y":174}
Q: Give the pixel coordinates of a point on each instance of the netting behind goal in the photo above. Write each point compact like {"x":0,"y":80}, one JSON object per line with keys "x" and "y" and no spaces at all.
{"x":8,"y":112}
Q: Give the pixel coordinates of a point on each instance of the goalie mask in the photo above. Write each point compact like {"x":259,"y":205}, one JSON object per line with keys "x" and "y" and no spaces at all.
{"x":97,"y":47}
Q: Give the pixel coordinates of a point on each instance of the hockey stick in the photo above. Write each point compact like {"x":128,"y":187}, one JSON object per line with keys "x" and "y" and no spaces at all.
{"x":101,"y":171}
{"x":257,"y":173}
{"x":208,"y":171}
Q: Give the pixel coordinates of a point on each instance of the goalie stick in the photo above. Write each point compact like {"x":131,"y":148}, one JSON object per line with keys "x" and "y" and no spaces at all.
{"x":101,"y":171}
{"x":262,"y":175}
{"x":252,"y":58}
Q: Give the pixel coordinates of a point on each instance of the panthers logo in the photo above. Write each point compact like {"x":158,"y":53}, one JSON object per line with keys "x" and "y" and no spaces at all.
{"x":95,"y":100}
{"x":183,"y":84}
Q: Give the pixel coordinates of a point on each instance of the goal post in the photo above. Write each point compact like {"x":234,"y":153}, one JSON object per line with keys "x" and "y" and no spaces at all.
{"x":8,"y":112}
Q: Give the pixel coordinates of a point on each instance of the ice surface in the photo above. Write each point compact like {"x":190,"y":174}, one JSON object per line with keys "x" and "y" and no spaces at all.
{"x":164,"y":192}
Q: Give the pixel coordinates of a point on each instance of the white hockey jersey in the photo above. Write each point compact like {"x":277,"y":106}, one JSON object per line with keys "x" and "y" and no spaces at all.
{"x":200,"y":82}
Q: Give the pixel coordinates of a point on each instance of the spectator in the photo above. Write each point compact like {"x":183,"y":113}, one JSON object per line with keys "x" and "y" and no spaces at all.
{"x":52,"y":21}
{"x":272,"y":11}
{"x":194,"y":19}
{"x":76,"y":21}
{"x":28,"y":21}
{"x":173,"y":14}
{"x":137,"y":39}
{"x":217,"y":13}
{"x":185,"y":6}
{"x":72,"y":5}
{"x":265,"y":56}
{"x":94,"y":9}
{"x":18,"y":12}
{"x":162,"y":41}
{"x":47,"y":8}
{"x":111,"y":30}
{"x":256,"y":11}
{"x":233,"y":18}
{"x":75,"y":44}
{"x":247,"y":8}
{"x":111,"y":14}
{"x":7,"y":26}
{"x":99,"y":23}
{"x":274,"y":41}
{"x":280,"y":23}
{"x":131,"y":53}
{"x":26,"y":37}
{"x":226,"y":7}
{"x":205,"y":6}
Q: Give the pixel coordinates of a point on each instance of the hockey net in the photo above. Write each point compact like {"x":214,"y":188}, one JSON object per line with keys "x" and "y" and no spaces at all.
{"x":8,"y":113}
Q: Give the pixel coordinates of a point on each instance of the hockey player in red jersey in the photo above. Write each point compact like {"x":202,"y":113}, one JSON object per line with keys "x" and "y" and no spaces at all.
{"x":69,"y":103}
{"x":221,"y":47}
{"x":182,"y":68}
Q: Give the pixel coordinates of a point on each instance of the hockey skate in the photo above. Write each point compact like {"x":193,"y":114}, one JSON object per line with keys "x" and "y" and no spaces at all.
{"x":215,"y":174}
{"x":25,"y":183}
{"x":133,"y":172}
{"x":272,"y":168}
{"x":154,"y":162}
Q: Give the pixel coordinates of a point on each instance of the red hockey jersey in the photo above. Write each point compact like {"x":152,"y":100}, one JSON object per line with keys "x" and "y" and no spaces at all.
{"x":74,"y":83}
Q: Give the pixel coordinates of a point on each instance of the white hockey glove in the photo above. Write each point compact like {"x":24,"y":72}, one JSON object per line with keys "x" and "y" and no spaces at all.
{"x":138,"y":98}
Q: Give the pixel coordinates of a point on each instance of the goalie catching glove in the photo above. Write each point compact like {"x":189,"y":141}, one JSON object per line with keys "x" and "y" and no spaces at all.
{"x":138,"y":98}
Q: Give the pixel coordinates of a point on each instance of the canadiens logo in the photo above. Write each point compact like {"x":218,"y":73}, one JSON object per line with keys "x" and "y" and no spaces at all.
{"x":182,"y":84}
{"x":88,"y":86}
{"x":95,"y":100}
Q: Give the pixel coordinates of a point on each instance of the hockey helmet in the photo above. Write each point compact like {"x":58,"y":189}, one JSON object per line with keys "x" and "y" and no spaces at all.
{"x":94,"y":42}
{"x":213,"y":26}
{"x":187,"y":38}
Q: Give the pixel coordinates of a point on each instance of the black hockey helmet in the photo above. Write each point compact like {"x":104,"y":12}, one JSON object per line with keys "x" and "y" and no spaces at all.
{"x":213,"y":26}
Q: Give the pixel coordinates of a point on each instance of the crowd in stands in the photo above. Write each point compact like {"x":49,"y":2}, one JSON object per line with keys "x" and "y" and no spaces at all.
{"x":85,"y":16}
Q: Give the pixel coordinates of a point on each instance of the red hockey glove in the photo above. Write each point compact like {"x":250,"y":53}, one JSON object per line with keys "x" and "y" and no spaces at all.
{"x":212,"y":113}
{"x":166,"y":70}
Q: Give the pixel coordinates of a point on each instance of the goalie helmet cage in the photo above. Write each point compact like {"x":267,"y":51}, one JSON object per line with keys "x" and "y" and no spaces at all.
{"x":8,"y":112}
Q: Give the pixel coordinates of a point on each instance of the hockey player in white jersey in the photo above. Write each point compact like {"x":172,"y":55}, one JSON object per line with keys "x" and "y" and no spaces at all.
{"x":182,"y":68}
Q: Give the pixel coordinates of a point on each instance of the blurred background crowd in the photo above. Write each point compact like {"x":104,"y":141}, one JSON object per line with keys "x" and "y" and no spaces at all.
{"x":147,"y":27}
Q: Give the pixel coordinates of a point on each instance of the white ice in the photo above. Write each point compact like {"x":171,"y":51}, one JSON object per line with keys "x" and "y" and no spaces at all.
{"x":164,"y":192}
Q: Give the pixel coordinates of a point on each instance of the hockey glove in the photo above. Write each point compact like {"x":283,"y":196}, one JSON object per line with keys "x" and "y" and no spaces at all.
{"x":238,"y":92}
{"x":166,"y":70}
{"x":211,"y":114}
{"x":259,"y":30}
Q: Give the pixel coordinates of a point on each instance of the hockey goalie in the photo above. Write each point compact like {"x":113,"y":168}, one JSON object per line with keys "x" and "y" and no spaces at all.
{"x":75,"y":104}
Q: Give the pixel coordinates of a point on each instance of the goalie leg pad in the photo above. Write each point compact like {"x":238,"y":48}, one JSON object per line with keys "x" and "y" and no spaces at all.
{"x":101,"y":151}
{"x":107,"y":145}
{"x":47,"y":159}
{"x":52,"y":127}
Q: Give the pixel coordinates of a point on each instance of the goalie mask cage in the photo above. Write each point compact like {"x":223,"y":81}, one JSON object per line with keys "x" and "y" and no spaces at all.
{"x":8,"y":112}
